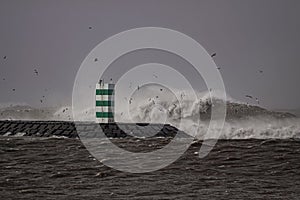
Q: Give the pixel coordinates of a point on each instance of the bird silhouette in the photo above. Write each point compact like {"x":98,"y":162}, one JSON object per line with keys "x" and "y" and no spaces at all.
{"x":213,"y":55}
{"x":36,"y":72}
{"x":96,"y":59}
{"x":249,"y":96}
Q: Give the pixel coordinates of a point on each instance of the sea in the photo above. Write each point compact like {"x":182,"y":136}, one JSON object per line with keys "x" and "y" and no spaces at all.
{"x":256,"y":157}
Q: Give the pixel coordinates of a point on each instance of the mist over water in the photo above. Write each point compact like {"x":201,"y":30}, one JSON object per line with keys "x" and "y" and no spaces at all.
{"x":156,"y":104}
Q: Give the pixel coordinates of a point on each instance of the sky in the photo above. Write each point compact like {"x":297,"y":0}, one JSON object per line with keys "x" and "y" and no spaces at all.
{"x":53,"y":36}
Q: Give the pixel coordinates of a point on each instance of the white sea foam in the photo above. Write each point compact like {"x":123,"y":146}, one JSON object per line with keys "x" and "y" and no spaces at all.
{"x":242,"y":122}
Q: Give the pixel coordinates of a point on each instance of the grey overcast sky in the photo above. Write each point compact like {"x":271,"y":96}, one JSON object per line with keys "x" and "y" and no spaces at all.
{"x":53,"y":36}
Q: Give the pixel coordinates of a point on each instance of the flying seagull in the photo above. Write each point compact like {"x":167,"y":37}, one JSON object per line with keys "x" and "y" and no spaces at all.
{"x":36,"y":72}
{"x":13,"y":89}
{"x":96,"y":59}
{"x":90,"y":27}
{"x":4,"y":57}
{"x":249,"y":96}
{"x":261,"y":71}
{"x":155,"y":76}
{"x":213,"y":55}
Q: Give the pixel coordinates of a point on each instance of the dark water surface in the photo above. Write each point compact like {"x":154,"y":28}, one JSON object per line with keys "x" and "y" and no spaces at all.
{"x":51,"y":168}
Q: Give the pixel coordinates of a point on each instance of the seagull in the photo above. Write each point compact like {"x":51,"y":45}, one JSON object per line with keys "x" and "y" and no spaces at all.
{"x":96,"y":59}
{"x":218,"y":68}
{"x":130,"y":100}
{"x":161,"y":89}
{"x":41,"y":101}
{"x":138,"y":87}
{"x":181,"y":96}
{"x":3,"y":79}
{"x":249,"y":96}
{"x":36,"y":72}
{"x":90,"y":27}
{"x":13,"y":89}
{"x":157,"y":97}
{"x":213,"y":55}
{"x":155,"y":76}
{"x":261,"y":71}
{"x":4,"y":57}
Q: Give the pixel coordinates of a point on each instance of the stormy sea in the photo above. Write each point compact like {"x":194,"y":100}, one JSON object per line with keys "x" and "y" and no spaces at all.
{"x":256,"y":157}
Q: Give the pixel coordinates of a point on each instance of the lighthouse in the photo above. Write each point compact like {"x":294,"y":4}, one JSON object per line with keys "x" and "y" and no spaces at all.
{"x":104,"y":102}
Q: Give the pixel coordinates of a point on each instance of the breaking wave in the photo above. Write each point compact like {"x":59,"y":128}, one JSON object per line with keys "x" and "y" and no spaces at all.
{"x":243,"y":121}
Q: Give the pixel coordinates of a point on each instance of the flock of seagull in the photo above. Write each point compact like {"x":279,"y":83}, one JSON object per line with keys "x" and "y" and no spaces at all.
{"x":155,"y":76}
{"x":36,"y":72}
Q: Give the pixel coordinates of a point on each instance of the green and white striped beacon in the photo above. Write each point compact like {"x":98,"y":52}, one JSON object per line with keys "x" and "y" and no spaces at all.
{"x":105,"y":102}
